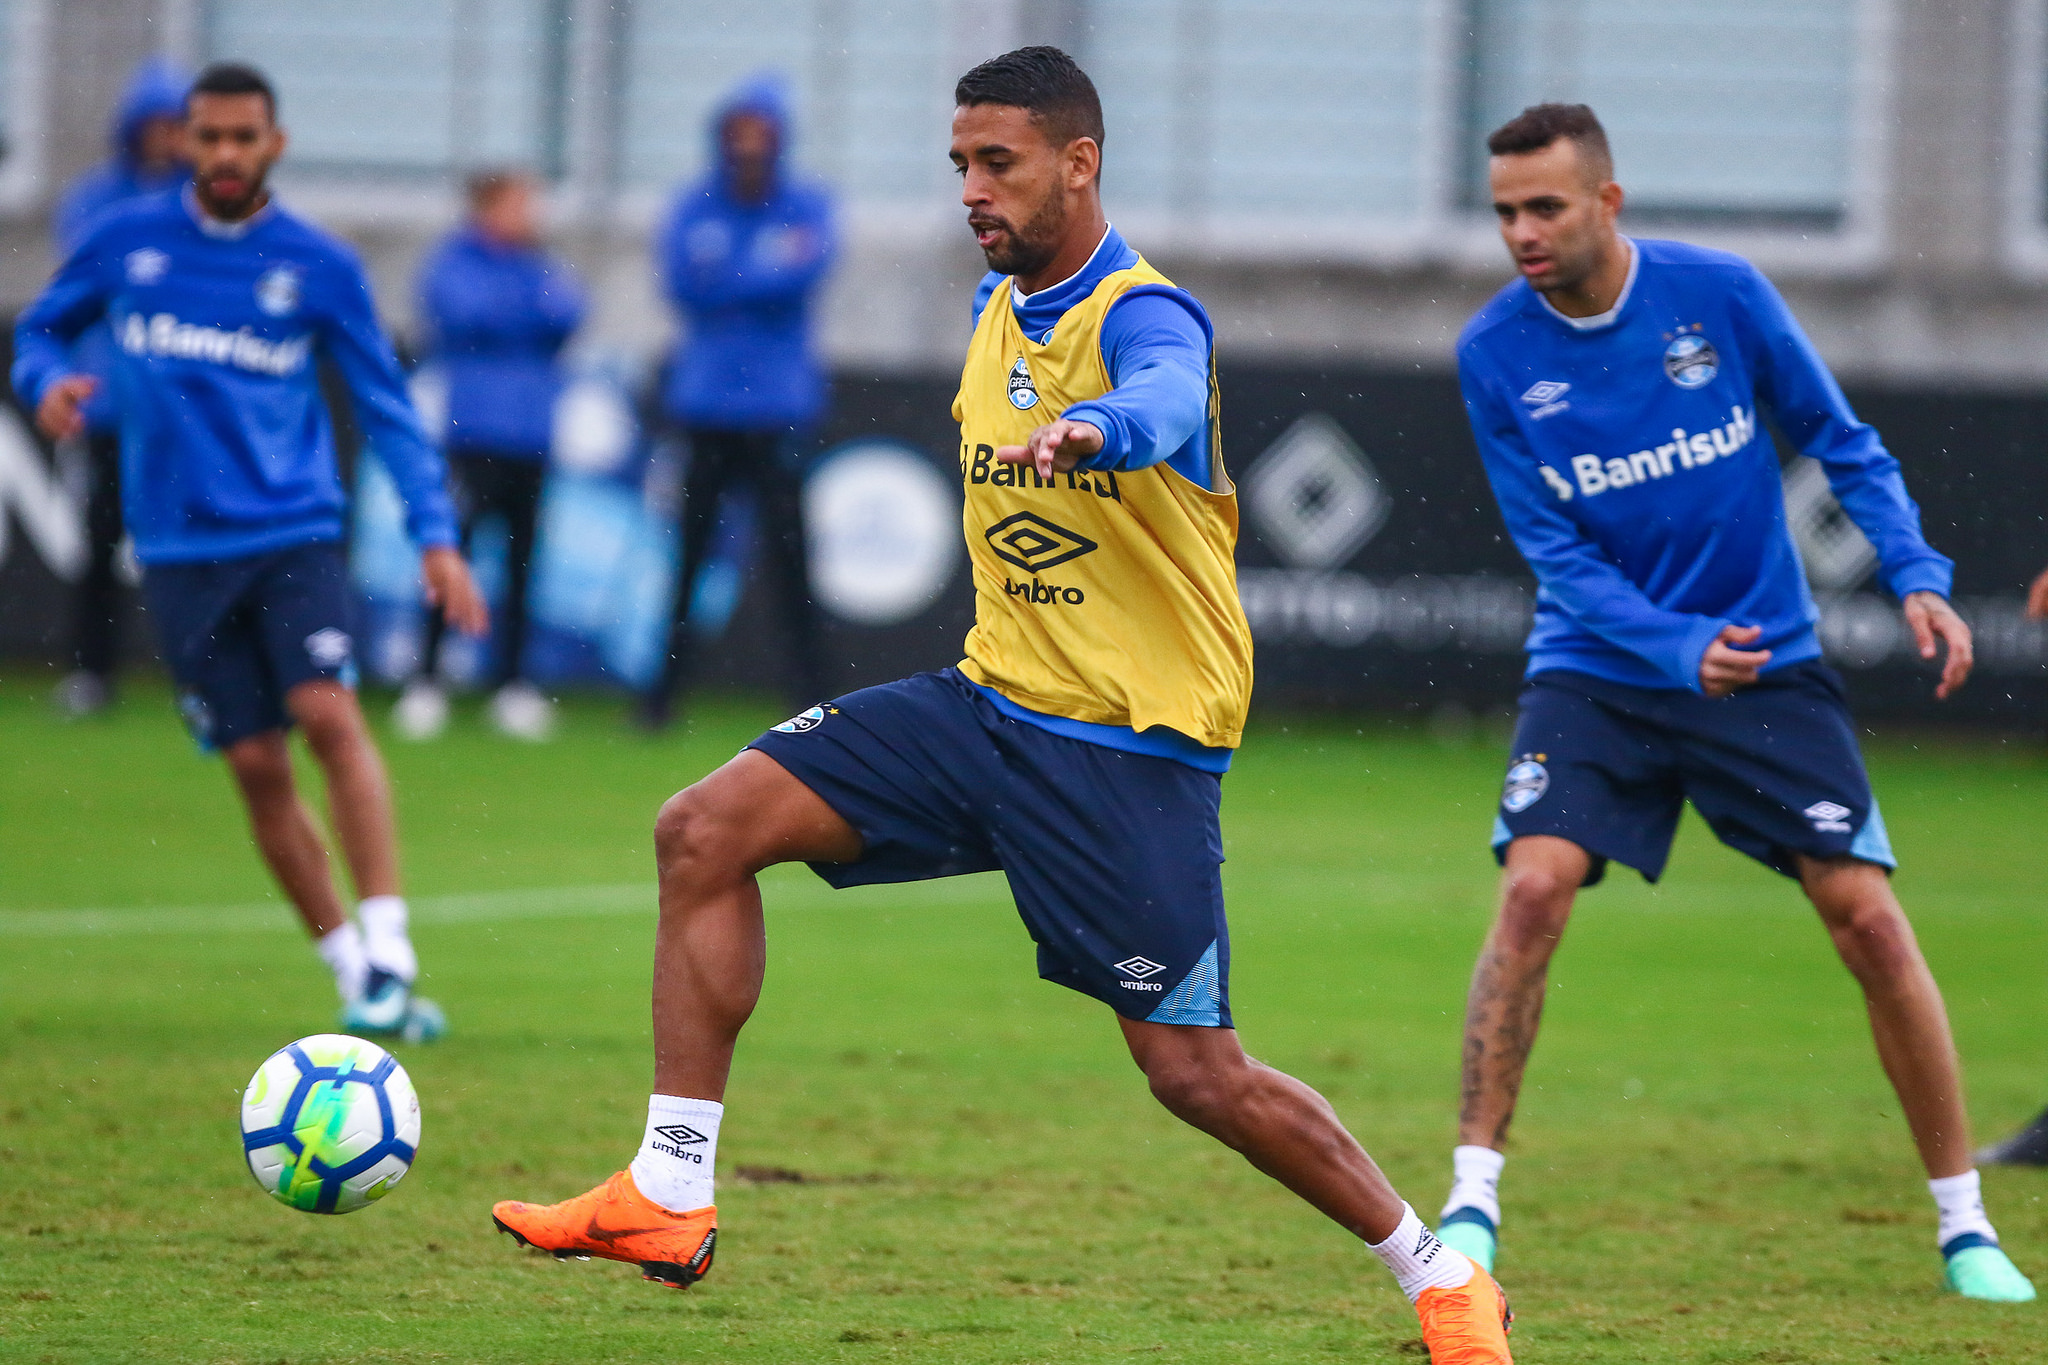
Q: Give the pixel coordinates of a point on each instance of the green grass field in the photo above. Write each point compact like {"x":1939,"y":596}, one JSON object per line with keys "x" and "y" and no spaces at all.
{"x":1708,"y":1167}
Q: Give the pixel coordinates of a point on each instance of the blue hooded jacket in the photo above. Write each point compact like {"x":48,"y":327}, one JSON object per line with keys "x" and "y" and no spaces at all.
{"x":496,"y":318}
{"x":744,"y":278}
{"x":156,"y":90}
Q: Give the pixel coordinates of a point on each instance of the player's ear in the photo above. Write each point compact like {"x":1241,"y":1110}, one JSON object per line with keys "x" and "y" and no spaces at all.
{"x":1084,"y":162}
{"x":1611,"y":198}
{"x":282,"y":141}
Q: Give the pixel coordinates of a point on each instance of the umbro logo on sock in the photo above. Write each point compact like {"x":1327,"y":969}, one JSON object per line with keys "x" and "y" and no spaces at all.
{"x":679,"y":1136}
{"x":1426,"y":1246}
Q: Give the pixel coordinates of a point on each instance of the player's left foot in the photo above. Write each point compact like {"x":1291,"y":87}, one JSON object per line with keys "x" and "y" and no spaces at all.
{"x":1472,"y":1232}
{"x":1982,"y":1270}
{"x":617,"y":1222}
{"x":2027,"y":1147}
{"x":1467,"y":1325}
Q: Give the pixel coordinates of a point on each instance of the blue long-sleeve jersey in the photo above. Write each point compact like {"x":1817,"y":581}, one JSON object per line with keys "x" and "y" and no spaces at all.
{"x":1155,"y":345}
{"x":1636,"y":478}
{"x":496,"y":319}
{"x":744,"y":277}
{"x":226,"y":446}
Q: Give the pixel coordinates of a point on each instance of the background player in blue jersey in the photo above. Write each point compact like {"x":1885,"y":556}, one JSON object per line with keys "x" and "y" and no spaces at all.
{"x":1615,"y":391}
{"x":220,"y":303}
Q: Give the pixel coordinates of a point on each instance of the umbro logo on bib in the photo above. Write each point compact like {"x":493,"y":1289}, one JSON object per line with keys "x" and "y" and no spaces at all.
{"x":1023,"y":394}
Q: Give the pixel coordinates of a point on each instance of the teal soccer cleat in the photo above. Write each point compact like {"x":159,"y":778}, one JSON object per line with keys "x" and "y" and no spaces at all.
{"x":1979,"y":1269}
{"x":387,"y":1008}
{"x":1469,"y":1231}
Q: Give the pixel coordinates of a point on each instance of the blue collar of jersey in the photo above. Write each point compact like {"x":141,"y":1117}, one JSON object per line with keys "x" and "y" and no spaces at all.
{"x":1037,"y":314}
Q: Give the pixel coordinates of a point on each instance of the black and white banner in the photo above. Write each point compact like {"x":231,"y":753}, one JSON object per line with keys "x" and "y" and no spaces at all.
{"x":1373,"y":563}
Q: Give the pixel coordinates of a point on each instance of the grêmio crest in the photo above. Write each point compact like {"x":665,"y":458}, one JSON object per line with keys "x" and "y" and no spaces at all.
{"x":1022,"y":394}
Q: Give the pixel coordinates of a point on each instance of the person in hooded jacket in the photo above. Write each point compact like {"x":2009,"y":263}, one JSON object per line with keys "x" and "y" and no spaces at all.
{"x":148,"y":158}
{"x":497,"y":309}
{"x":743,"y":254}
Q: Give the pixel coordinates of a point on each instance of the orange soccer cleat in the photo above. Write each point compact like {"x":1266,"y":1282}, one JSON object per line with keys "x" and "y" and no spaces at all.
{"x":619,"y":1223}
{"x":1467,"y":1325}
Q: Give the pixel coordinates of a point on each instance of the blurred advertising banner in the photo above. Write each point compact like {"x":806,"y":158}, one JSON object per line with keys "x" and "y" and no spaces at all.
{"x":1374,"y":568}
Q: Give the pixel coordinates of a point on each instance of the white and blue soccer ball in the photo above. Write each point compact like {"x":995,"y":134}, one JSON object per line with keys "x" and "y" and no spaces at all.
{"x":330,"y":1124}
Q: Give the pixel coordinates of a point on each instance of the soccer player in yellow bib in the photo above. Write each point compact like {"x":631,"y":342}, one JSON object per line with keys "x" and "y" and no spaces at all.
{"x":1079,"y":746}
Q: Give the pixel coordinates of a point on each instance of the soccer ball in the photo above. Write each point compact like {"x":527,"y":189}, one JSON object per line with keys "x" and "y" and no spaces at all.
{"x":330,"y":1124}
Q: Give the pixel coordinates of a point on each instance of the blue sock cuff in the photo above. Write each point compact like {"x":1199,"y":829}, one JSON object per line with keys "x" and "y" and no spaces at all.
{"x":1468,"y":1214}
{"x":1962,"y":1241}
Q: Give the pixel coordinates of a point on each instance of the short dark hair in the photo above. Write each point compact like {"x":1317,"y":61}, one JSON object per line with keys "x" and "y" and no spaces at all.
{"x":482,"y":186}
{"x":1044,"y":80}
{"x":1542,"y":124}
{"x":236,"y":78}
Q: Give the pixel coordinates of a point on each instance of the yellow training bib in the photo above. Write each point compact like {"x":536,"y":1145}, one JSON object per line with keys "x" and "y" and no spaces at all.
{"x":1101,"y":597}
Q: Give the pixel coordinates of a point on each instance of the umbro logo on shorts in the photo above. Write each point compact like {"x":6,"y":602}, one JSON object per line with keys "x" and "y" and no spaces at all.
{"x":329,"y":648}
{"x":1034,"y":544}
{"x":1828,"y":817}
{"x":1140,"y":967}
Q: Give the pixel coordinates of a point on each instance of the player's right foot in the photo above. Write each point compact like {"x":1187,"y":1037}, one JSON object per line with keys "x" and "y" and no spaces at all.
{"x":1472,"y":1232}
{"x":617,"y":1222}
{"x":387,"y":1008}
{"x":2027,"y":1147}
{"x":1467,"y":1325}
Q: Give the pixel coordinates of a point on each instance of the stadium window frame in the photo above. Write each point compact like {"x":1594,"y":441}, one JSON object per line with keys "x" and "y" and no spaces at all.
{"x":2025,"y":245}
{"x":25,"y":170}
{"x":1856,"y":245}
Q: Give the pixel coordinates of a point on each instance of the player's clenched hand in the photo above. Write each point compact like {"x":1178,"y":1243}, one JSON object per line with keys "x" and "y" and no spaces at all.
{"x":1932,"y":618}
{"x":61,"y":413}
{"x":1723,"y":668}
{"x":1055,"y":447}
{"x":450,"y":587}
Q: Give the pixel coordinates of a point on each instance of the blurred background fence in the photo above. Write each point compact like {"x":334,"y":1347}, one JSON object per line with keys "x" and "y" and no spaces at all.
{"x":1312,"y":170}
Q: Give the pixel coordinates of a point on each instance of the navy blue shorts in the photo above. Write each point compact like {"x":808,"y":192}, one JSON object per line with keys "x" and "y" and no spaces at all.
{"x":1774,"y":770}
{"x":1115,"y":859}
{"x":240,"y":633}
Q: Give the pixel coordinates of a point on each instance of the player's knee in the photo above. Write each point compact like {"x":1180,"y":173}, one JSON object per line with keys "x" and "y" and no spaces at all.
{"x":1192,"y":1090}
{"x":262,"y":767}
{"x":1874,"y":939}
{"x":1536,"y":902}
{"x":689,"y":835}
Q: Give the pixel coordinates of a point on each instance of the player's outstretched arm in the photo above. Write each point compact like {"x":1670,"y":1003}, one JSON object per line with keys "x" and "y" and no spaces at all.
{"x":1055,"y":448}
{"x":1933,"y":619}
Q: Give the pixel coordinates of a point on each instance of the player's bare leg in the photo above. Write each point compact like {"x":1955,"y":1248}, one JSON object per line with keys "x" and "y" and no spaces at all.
{"x":358,"y":789}
{"x":1907,"y":1016}
{"x":284,"y":828}
{"x":1539,"y":880}
{"x":710,"y":951}
{"x":1277,"y":1123}
{"x":710,"y":954}
{"x":1910,"y":1024}
{"x":1287,"y":1130}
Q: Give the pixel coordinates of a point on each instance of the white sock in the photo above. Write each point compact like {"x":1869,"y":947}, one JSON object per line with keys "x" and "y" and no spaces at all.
{"x":342,"y":950}
{"x":678,"y":1152}
{"x":384,"y":937}
{"x":1475,"y":1181}
{"x":1419,"y":1261}
{"x":1961,"y":1201}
